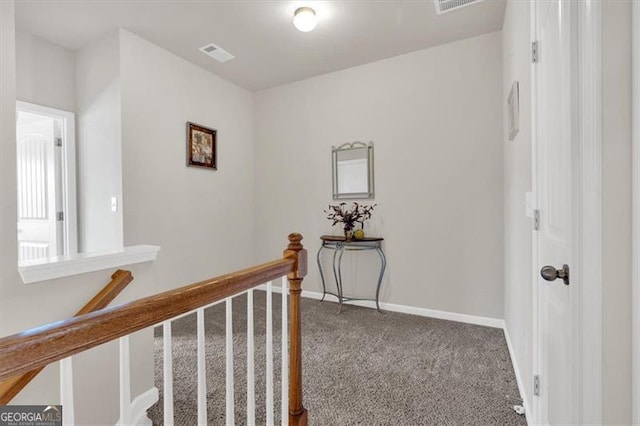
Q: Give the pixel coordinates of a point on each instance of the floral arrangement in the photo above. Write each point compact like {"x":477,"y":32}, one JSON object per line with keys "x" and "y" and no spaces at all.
{"x":358,"y":213}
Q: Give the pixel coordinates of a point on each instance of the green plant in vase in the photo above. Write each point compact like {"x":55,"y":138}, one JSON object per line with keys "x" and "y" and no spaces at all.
{"x":350,"y":217}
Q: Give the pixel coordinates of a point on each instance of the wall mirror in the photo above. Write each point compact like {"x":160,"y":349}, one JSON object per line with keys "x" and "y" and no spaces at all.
{"x":353,"y":171}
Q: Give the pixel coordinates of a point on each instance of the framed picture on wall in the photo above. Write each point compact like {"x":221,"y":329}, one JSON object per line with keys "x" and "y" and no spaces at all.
{"x":201,"y":146}
{"x":513,"y":103}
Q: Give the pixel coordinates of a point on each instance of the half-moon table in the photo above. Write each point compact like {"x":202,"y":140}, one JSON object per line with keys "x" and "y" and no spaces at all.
{"x":339,"y":245}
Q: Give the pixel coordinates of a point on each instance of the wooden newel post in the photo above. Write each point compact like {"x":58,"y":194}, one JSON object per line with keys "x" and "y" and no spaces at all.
{"x":295,"y":250}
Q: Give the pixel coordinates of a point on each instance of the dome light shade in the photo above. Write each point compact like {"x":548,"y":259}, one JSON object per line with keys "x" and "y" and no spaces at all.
{"x":304,"y":18}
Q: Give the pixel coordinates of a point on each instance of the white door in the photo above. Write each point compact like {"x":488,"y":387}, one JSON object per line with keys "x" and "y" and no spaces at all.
{"x":555,"y":192}
{"x":39,"y":193}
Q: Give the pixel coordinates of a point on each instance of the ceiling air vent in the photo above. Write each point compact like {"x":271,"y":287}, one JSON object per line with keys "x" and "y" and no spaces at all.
{"x":217,"y":52}
{"x":443,"y":6}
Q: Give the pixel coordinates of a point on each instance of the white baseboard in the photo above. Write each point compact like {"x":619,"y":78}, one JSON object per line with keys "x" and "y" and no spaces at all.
{"x":519,"y":380}
{"x":392,"y":307}
{"x":139,"y":407}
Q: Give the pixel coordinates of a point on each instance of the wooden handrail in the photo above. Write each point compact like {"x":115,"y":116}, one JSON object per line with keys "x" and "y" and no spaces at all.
{"x":41,"y":346}
{"x":119,"y":280}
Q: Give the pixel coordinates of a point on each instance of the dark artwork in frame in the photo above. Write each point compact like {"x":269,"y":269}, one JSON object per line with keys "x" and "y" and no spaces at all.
{"x":201,"y":146}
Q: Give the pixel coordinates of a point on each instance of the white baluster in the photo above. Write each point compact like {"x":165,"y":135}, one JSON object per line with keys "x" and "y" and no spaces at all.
{"x":125,"y":382}
{"x":66,"y":391}
{"x":269,"y":349}
{"x":202,"y":372}
{"x":251,"y":391}
{"x":168,"y":373}
{"x":230,"y":415}
{"x":284,"y":390}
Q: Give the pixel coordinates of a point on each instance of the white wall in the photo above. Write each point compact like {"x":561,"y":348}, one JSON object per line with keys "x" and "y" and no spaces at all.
{"x":8,"y":184}
{"x":616,"y":187}
{"x":99,"y":146}
{"x":25,"y":306}
{"x":435,"y":119}
{"x":45,"y":73}
{"x":202,"y":219}
{"x":635,"y":397}
{"x":518,"y":291}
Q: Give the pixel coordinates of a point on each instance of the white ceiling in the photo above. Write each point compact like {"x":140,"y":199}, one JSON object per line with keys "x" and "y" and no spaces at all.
{"x":269,"y":50}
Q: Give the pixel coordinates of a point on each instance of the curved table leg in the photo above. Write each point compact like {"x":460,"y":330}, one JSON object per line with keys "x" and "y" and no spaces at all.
{"x":383,"y":266}
{"x":340,"y":277}
{"x":324,"y":289}
{"x":335,"y":275}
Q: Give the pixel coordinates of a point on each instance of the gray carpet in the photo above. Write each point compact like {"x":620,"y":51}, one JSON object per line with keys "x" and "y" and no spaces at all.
{"x":360,"y":368}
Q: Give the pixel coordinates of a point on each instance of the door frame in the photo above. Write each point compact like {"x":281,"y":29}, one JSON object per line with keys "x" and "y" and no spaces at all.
{"x":586,"y":18}
{"x":69,"y":204}
{"x":635,"y":53}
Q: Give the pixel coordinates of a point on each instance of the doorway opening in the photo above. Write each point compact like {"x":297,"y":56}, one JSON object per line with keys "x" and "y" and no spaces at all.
{"x":45,"y":147}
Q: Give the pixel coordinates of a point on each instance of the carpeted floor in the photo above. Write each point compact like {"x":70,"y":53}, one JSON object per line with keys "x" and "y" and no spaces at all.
{"x":360,"y":368}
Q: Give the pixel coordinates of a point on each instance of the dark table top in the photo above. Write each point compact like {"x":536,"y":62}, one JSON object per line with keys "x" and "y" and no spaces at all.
{"x":339,"y":238}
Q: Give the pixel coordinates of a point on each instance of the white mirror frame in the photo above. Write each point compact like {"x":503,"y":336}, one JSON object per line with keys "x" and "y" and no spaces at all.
{"x":353,"y":196}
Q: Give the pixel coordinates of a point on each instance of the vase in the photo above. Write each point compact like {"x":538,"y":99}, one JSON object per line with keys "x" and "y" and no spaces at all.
{"x":348,"y":234}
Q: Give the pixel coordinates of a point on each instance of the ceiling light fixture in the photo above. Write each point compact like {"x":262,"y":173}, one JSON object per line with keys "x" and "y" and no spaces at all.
{"x":304,"y":18}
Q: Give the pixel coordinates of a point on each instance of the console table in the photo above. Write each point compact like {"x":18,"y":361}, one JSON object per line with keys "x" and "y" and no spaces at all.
{"x":339,"y":245}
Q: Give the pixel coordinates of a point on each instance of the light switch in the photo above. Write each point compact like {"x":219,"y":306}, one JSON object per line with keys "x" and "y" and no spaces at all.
{"x":114,"y":204}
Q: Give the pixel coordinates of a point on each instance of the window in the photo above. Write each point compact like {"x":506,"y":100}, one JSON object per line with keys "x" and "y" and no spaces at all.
{"x":46,"y":182}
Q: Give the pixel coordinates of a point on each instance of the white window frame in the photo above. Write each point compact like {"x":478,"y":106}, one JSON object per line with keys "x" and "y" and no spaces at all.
{"x":68,"y":171}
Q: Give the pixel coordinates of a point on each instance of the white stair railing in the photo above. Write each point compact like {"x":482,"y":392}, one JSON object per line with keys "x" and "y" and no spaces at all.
{"x":202,"y":414}
{"x":96,"y":329}
{"x":230,"y":414}
{"x":284,"y":388}
{"x":167,"y":376}
{"x":66,"y":391}
{"x":251,"y":381}
{"x":202,"y":370}
{"x":269,"y":352}
{"x":125,"y":382}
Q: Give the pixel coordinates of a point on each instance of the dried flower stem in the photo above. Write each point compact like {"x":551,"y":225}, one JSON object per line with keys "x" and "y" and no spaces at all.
{"x":358,"y":213}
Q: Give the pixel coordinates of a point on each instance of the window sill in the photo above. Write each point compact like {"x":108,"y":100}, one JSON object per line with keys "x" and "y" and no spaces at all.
{"x":65,"y":266}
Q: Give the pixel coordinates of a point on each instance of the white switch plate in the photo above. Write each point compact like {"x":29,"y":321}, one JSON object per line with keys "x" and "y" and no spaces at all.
{"x":114,"y":204}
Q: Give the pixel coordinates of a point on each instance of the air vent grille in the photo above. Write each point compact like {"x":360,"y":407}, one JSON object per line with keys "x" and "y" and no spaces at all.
{"x":443,"y":6}
{"x":216,"y":52}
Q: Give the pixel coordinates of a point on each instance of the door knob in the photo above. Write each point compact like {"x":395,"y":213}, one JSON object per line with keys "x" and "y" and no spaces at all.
{"x":550,"y":273}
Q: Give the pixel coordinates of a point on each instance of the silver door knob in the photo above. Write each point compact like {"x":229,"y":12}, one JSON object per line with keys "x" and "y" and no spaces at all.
{"x":550,"y":273}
